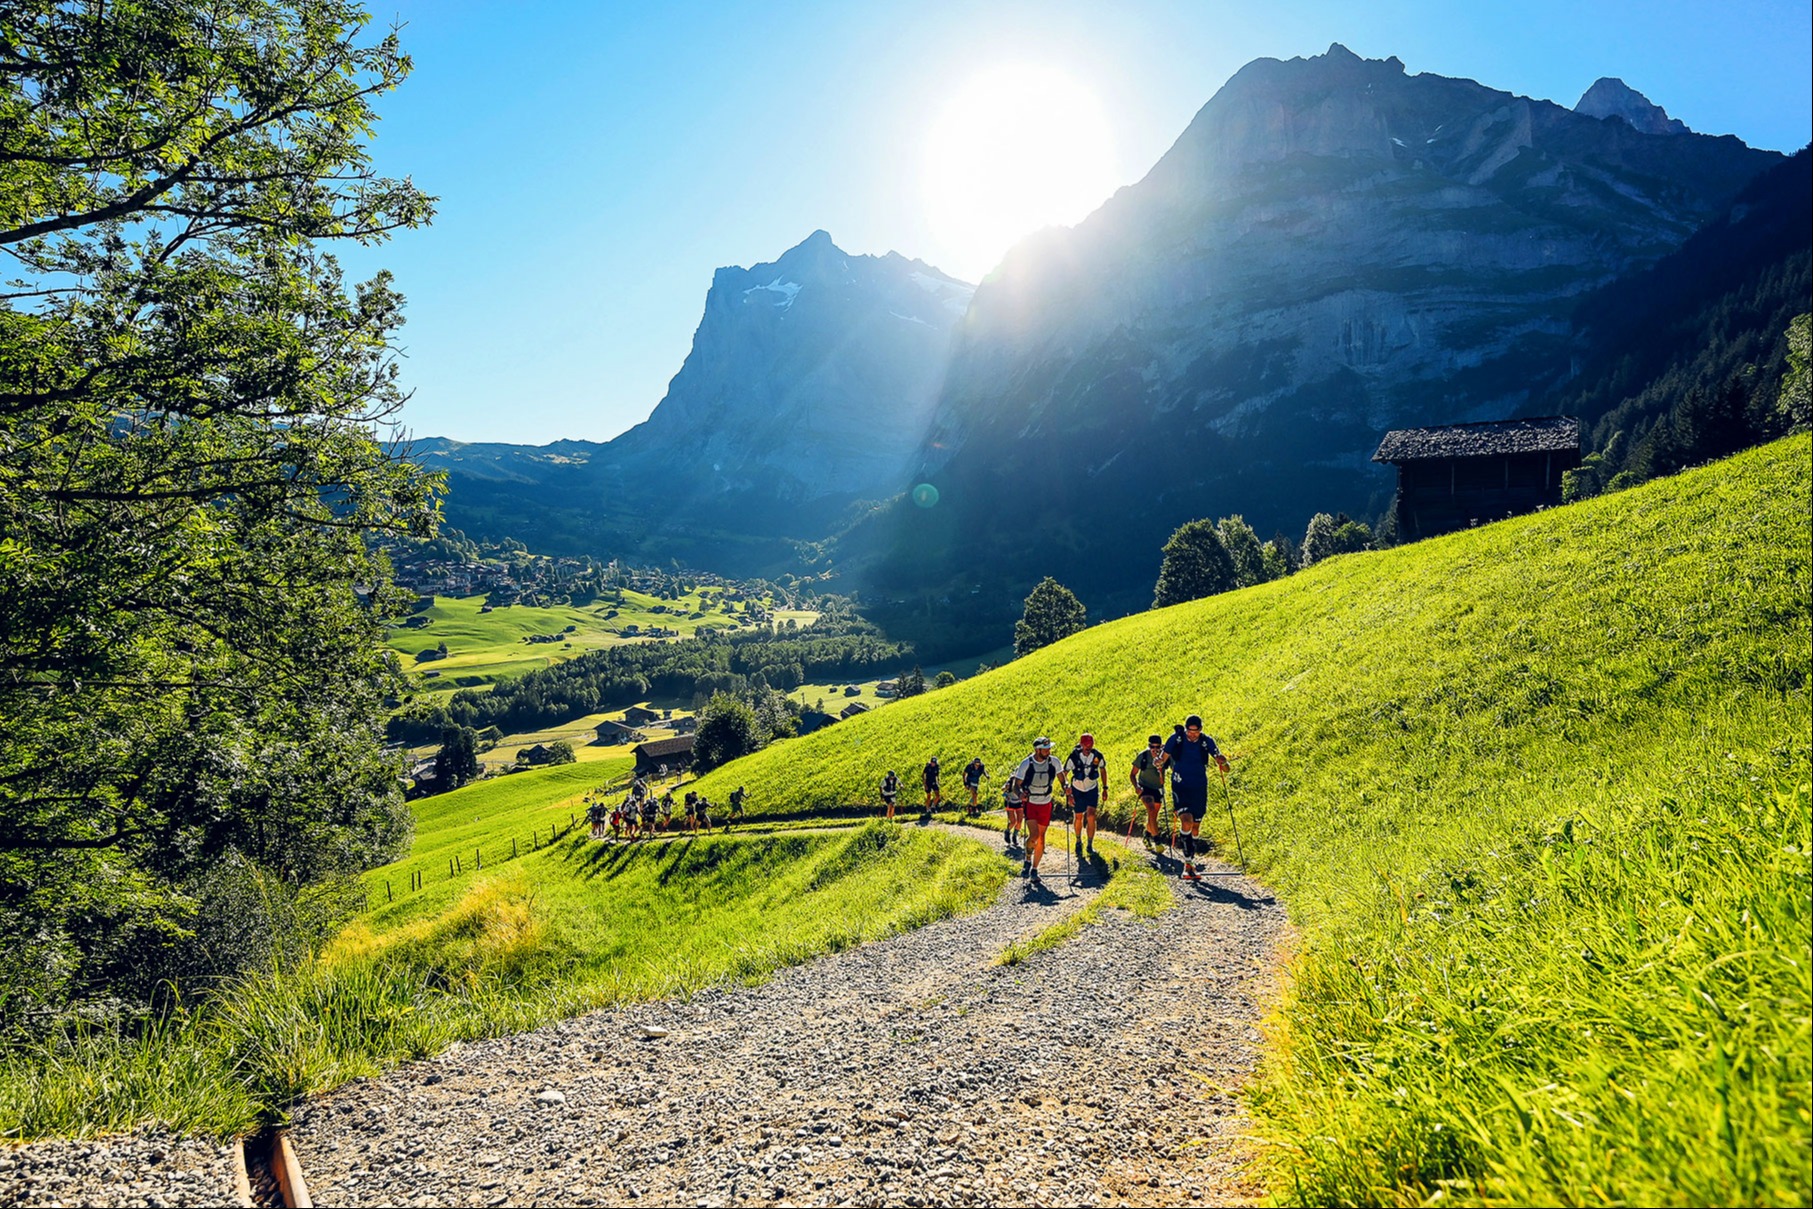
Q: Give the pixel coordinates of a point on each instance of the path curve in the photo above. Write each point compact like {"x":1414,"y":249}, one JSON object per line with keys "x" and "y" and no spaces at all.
{"x":906,"y":1071}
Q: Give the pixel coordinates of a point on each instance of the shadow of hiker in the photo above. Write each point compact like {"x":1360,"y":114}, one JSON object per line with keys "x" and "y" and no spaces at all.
{"x":1033,"y":890}
{"x":1223,"y":894}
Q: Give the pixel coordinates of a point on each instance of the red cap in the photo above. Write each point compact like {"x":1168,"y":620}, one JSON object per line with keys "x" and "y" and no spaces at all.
{"x":1087,"y":741}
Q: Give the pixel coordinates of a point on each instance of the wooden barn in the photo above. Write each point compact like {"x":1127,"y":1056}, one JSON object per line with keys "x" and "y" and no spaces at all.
{"x":675,"y":753}
{"x":1457,"y":475}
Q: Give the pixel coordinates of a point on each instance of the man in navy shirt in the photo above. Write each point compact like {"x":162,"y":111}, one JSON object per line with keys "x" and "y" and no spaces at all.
{"x":1187,"y":755}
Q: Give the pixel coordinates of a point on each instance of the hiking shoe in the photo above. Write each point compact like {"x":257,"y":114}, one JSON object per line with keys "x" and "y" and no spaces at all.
{"x":1092,"y":848}
{"x":1025,"y":868}
{"x":1007,"y":836}
{"x":1189,"y":872}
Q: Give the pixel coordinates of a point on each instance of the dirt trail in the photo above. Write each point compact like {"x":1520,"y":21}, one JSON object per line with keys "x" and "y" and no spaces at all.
{"x":909,"y":1071}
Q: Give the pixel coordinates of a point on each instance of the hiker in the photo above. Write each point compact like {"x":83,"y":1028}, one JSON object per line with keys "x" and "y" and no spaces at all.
{"x":1038,"y":777}
{"x":890,"y":789}
{"x":666,"y":807}
{"x":1085,"y":767}
{"x":1187,"y":755}
{"x":648,"y":818}
{"x":933,"y":797}
{"x":973,"y":772}
{"x":1010,"y":802}
{"x":691,"y":806}
{"x":639,"y":787}
{"x":596,"y":814}
{"x":736,"y":806}
{"x":1149,"y":784}
{"x":705,"y":814}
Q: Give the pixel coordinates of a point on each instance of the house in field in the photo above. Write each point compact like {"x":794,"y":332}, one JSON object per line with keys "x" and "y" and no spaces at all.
{"x":612,"y":733}
{"x":686,"y":724}
{"x":674,"y":754}
{"x":637,"y":715}
{"x":854,"y":708}
{"x":812,"y":719}
{"x":1457,"y":475}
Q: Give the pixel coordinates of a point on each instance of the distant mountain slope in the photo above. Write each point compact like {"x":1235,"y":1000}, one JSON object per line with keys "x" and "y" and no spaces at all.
{"x":1331,"y":249}
{"x":810,"y":384}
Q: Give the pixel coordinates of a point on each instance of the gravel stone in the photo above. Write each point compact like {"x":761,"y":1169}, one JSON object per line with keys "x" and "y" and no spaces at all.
{"x":146,"y":1167}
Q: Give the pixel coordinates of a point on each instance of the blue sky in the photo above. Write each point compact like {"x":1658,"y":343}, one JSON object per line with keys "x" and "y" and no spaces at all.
{"x":595,"y":162}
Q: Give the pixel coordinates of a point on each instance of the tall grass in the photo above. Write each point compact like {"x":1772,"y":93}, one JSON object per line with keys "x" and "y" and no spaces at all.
{"x":1537,"y":795}
{"x":575,"y":927}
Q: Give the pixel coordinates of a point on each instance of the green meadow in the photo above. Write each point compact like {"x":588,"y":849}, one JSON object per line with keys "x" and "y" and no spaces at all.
{"x":484,"y":647}
{"x":1537,"y":795}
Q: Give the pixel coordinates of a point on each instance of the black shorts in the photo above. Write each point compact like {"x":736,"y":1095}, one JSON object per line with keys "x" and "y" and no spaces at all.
{"x":1189,"y":799}
{"x":887,"y":799}
{"x":1085,"y":799}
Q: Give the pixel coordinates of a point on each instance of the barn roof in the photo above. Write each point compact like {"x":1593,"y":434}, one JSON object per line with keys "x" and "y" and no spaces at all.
{"x":678,"y":746}
{"x":1538,"y":434}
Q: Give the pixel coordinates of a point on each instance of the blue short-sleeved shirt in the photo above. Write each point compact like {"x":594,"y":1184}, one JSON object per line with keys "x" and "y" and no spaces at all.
{"x":1189,"y":759}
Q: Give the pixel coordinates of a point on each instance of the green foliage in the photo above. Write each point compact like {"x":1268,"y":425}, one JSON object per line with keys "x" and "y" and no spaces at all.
{"x":913,"y":683}
{"x":191,"y":458}
{"x":1244,"y":551}
{"x":728,"y":729}
{"x":1794,"y":403}
{"x":944,"y":679}
{"x":1536,"y":794}
{"x":456,"y":762}
{"x":1052,"y":613}
{"x":561,"y":752}
{"x":1195,"y":565}
{"x":1328,"y":536}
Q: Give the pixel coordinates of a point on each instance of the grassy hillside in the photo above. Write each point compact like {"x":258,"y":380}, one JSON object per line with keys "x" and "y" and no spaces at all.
{"x":1538,"y":795}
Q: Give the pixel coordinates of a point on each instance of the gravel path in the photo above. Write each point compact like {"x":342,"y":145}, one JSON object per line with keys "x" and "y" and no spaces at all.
{"x":148,"y":1167}
{"x":909,"y":1071}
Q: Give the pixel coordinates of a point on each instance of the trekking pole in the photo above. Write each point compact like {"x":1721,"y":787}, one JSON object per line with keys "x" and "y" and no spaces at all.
{"x":1229,"y":798}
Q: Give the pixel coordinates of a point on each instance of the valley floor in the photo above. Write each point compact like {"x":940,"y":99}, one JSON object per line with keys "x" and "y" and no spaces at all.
{"x":909,"y":1071}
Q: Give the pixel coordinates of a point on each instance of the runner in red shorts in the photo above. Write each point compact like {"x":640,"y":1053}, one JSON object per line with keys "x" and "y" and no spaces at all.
{"x":1038,"y":779}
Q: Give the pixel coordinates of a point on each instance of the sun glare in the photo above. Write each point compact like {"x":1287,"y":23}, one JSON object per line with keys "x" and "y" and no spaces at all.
{"x":1015,"y":149}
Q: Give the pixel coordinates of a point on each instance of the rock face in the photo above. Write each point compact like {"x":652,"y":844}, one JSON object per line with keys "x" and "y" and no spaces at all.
{"x":810,"y":384}
{"x":810,"y":377}
{"x":1332,"y":248}
{"x":1610,"y":97}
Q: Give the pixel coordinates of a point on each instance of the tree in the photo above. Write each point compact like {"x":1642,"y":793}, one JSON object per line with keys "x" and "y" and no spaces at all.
{"x":1195,"y":565}
{"x":1052,"y":612}
{"x":913,"y":683}
{"x":456,"y":763}
{"x":944,"y":679}
{"x":1318,"y":539}
{"x":561,"y":752}
{"x":727,"y":729}
{"x":1244,"y":551}
{"x":192,"y":409}
{"x":1794,"y":401}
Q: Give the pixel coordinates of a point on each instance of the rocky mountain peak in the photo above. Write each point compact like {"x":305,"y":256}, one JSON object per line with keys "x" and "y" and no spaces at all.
{"x":1610,"y":97}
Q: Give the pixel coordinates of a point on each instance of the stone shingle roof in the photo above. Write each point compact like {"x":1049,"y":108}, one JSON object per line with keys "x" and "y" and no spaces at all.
{"x":1539,"y":434}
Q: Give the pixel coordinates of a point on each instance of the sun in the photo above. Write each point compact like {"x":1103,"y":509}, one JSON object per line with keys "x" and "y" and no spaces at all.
{"x":1017,"y":148}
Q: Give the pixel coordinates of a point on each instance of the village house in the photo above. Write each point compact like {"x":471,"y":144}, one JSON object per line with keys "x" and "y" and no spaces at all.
{"x":637,"y":715}
{"x":854,"y":708}
{"x":675,"y":754}
{"x":1457,"y":475}
{"x":613,"y":733}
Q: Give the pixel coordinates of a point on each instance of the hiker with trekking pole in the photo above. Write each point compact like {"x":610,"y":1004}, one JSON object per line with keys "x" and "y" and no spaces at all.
{"x":1037,"y":780}
{"x":1085,"y":767}
{"x":1149,"y":783}
{"x":1187,"y":756}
